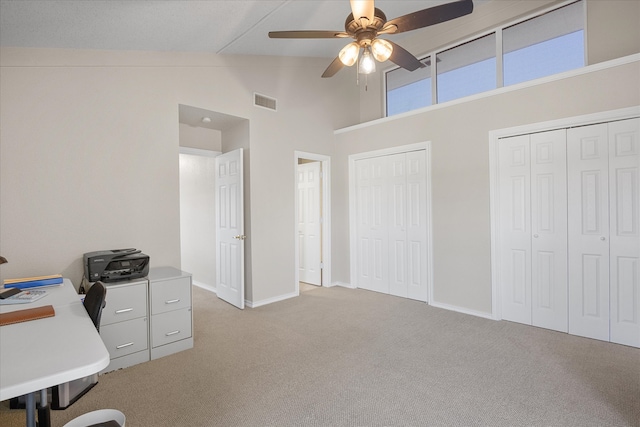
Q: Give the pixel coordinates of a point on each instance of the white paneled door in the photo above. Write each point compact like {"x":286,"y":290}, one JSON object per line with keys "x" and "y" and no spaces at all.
{"x":569,"y":238}
{"x":604,"y":240}
{"x":624,"y":231}
{"x":391,"y":224}
{"x":533,"y":214}
{"x":588,"y":164}
{"x":230,"y":228}
{"x":309,"y":223}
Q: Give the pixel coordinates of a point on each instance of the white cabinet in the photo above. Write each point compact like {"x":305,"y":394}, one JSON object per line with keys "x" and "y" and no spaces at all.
{"x":171,"y":323}
{"x":124,"y":325}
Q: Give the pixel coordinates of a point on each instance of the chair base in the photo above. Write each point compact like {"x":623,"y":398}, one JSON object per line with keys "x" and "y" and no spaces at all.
{"x":99,"y":418}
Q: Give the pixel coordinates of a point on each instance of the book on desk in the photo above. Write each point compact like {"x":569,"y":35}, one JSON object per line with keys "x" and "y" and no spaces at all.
{"x":34,"y":282}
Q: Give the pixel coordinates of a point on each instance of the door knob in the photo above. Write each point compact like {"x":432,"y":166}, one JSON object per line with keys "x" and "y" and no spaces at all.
{"x":535,"y":236}
{"x":602,"y":238}
{"x":240,"y":237}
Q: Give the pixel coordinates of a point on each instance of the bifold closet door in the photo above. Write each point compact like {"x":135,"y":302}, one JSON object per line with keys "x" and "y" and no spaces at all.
{"x":624,"y":226}
{"x":391,"y":232}
{"x":533,"y":229}
{"x":372,"y":263}
{"x":604,"y":240}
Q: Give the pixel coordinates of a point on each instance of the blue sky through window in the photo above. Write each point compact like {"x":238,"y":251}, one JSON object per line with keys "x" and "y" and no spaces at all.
{"x":409,"y":97}
{"x":544,"y":59}
{"x":467,"y":80}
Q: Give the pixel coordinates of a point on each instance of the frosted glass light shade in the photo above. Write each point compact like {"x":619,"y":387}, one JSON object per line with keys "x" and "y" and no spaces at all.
{"x":349,"y":54}
{"x":381,"y":49}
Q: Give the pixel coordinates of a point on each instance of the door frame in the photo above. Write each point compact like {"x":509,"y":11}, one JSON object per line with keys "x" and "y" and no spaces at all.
{"x":325,"y":213}
{"x":494,"y":178}
{"x":353,"y":205}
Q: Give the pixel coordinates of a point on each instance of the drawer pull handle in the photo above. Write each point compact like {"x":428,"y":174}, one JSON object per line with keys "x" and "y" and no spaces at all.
{"x":118,"y":347}
{"x":124,"y":310}
{"x":172,"y":301}
{"x":168,"y":334}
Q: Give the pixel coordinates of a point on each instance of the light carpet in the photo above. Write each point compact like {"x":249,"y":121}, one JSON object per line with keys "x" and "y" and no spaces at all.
{"x":344,"y":357}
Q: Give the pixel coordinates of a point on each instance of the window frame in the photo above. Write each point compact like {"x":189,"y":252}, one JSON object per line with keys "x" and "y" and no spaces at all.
{"x":432,"y":55}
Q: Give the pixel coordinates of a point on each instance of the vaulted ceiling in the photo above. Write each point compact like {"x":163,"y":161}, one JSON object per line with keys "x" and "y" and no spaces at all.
{"x":214,"y":26}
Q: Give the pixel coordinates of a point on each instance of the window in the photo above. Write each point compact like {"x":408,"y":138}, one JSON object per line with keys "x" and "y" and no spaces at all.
{"x":467,"y":69}
{"x":544,"y":45}
{"x":408,"y":90}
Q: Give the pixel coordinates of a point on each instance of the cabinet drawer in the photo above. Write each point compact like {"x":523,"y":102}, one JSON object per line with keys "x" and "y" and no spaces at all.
{"x":124,"y":338}
{"x":125,"y":303}
{"x":170,"y":327}
{"x":169,"y":295}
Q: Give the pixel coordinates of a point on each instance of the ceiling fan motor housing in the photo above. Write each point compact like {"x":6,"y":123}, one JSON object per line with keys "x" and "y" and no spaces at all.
{"x":365,"y":35}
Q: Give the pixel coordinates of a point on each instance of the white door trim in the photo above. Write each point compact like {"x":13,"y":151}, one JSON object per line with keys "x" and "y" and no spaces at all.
{"x":352,"y":206}
{"x":326,"y":217}
{"x":494,"y":178}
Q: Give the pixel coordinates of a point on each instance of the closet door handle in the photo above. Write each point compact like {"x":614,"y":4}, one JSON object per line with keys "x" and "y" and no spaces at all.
{"x":124,"y":310}
{"x":172,"y":301}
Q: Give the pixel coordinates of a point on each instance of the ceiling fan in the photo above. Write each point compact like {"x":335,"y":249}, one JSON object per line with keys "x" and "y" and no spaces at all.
{"x":366,"y":22}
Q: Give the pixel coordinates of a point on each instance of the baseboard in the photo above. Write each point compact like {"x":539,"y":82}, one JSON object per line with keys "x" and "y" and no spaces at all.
{"x":255,"y":304}
{"x":344,"y":285}
{"x":461,"y":310}
{"x":204,"y":286}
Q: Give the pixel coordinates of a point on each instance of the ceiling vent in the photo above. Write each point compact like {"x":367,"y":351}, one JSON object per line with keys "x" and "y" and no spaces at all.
{"x":264,"y":102}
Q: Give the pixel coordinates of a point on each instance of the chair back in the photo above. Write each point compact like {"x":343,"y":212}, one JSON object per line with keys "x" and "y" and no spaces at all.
{"x":94,"y":302}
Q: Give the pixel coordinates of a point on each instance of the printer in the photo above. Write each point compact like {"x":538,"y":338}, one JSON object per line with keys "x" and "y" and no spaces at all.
{"x":116,"y":264}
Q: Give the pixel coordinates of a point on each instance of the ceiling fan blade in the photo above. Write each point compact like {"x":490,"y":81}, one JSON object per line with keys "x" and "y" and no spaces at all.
{"x":363,"y":9}
{"x":404,"y":58}
{"x":426,"y":17}
{"x":307,"y":34}
{"x":333,"y":68}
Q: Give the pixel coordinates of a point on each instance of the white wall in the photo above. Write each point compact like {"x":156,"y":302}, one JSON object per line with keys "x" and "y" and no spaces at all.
{"x":459,"y":136}
{"x":460,"y":169}
{"x":89,"y":152}
{"x":89,"y":149}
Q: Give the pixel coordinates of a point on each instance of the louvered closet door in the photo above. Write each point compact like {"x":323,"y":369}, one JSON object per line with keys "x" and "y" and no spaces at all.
{"x":588,"y":176}
{"x":624,"y":189}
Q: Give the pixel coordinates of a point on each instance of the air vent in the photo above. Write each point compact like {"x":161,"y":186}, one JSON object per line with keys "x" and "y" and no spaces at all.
{"x":264,"y":102}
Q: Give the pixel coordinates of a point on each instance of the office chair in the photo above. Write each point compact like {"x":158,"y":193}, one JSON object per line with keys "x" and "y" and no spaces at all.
{"x":94,"y":302}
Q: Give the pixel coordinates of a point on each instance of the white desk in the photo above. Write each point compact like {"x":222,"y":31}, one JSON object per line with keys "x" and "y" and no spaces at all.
{"x":39,"y":354}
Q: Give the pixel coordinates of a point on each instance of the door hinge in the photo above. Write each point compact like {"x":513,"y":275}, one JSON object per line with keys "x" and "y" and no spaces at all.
{"x":321,"y":265}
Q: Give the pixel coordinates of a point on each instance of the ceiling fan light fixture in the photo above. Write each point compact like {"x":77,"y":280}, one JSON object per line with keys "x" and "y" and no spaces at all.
{"x":349,"y":54}
{"x":381,"y":49}
{"x":367,"y":64}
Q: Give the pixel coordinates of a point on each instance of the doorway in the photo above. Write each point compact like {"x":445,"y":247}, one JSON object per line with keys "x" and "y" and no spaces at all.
{"x":312,"y":195}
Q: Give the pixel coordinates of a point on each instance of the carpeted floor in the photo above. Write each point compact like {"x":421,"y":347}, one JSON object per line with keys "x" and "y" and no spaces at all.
{"x":343,"y":357}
